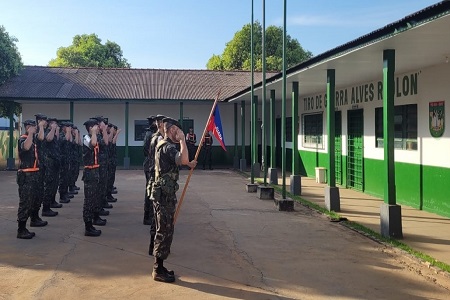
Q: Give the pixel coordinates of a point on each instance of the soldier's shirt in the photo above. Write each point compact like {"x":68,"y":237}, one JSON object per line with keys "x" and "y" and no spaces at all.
{"x":169,"y":156}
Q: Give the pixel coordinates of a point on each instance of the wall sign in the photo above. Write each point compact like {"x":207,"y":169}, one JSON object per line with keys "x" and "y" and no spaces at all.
{"x":437,"y":118}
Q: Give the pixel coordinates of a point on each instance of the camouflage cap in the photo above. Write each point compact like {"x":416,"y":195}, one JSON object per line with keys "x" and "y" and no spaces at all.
{"x":172,"y":121}
{"x":100,"y":119}
{"x":29,"y":122}
{"x":160,"y":117}
{"x":91,"y":122}
{"x":40,"y":117}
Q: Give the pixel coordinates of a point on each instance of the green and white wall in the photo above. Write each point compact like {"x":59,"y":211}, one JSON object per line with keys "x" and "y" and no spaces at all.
{"x":422,"y":175}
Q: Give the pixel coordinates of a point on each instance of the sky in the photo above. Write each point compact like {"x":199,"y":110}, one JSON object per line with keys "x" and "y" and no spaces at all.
{"x":184,"y":34}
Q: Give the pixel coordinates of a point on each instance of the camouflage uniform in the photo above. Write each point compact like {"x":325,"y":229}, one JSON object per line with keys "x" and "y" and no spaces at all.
{"x":167,"y":160}
{"x":103,"y":157}
{"x":74,"y":163}
{"x":28,"y":181}
{"x":64,"y":170}
{"x":112,"y":165}
{"x":149,"y":162}
{"x":151,"y":173}
{"x":51,"y":161}
{"x":91,"y":178}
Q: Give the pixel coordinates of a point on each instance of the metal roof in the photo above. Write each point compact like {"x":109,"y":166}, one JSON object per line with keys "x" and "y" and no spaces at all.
{"x":56,"y":84}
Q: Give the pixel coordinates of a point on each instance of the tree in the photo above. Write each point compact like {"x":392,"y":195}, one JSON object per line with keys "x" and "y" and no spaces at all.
{"x":237,"y":52}
{"x":10,"y":65}
{"x":88,"y":51}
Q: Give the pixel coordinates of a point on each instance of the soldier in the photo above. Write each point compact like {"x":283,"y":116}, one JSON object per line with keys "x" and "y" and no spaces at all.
{"x":113,"y":133}
{"x":51,"y":161}
{"x":65,"y":142}
{"x":91,"y":178}
{"x":207,"y":147}
{"x":157,"y":136}
{"x":167,"y":161}
{"x":41,"y":122}
{"x":103,"y":141}
{"x":148,"y":206}
{"x":74,"y":160}
{"x":191,"y":139}
{"x":29,"y":180}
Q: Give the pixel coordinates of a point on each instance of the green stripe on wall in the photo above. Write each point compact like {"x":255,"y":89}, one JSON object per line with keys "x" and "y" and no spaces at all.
{"x":410,"y":180}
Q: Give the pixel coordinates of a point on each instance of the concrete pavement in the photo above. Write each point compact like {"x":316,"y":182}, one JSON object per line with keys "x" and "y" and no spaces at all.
{"x":423,"y":231}
{"x":228,"y":244}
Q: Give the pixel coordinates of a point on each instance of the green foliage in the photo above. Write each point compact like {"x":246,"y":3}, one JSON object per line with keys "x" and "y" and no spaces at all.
{"x":87,"y":50}
{"x":10,"y":60}
{"x":6,"y":107}
{"x":237,"y":52}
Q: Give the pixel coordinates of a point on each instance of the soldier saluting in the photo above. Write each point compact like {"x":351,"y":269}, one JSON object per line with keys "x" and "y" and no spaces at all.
{"x":167,"y":162}
{"x":29,"y":180}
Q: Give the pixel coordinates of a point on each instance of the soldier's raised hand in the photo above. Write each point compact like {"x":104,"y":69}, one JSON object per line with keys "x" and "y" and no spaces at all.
{"x":31,"y":129}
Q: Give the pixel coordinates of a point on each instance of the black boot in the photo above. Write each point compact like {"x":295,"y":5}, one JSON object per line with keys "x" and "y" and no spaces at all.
{"x":103,"y":212}
{"x":47,"y":212}
{"x":111,"y":199}
{"x":107,"y":205}
{"x":64,"y":199}
{"x":98,"y":221}
{"x":36,"y":221}
{"x":90,"y":230}
{"x":73,"y":191}
{"x":147,"y":220}
{"x":160,"y":273}
{"x":55,"y":204}
{"x":22,"y":231}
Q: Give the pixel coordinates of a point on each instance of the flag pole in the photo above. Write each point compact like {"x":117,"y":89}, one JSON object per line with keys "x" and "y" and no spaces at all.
{"x":195,"y":158}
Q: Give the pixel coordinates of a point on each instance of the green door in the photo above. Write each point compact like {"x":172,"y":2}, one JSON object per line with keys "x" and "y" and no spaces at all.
{"x":355,"y":173}
{"x":338,"y":146}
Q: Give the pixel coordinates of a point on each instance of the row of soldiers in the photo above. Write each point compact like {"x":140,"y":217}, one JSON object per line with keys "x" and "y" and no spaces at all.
{"x":49,"y":153}
{"x":100,"y":163}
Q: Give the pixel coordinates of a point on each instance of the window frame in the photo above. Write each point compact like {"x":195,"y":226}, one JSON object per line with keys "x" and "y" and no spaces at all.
{"x":312,"y":141}
{"x":405,"y":127}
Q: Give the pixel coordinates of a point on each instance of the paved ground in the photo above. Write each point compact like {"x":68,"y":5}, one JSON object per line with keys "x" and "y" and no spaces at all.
{"x":228,"y":244}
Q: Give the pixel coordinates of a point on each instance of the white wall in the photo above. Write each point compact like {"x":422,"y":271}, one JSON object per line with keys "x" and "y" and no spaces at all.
{"x":433,"y":85}
{"x":199,"y":111}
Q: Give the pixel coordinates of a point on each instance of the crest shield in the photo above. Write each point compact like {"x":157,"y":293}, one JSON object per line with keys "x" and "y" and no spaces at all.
{"x":437,"y":118}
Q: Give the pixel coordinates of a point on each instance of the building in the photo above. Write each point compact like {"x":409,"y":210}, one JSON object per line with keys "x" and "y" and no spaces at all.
{"x":417,"y":48}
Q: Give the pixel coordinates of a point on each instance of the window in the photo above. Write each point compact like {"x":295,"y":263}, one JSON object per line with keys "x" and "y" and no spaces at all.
{"x":405,"y":127}
{"x":289,"y":129}
{"x":313,"y":131}
{"x":139,"y":129}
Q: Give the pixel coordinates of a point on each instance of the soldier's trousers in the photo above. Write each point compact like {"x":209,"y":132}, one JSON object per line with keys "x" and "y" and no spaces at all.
{"x":207,"y":157}
{"x":28,"y":183}
{"x":102,"y":185}
{"x":64,"y":175}
{"x":111,"y":178}
{"x":148,"y":205}
{"x":164,"y":209}
{"x":74,"y":173}
{"x":91,"y":190}
{"x":50,"y":182}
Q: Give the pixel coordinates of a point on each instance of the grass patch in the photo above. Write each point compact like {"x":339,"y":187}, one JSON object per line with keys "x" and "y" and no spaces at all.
{"x":360,"y":228}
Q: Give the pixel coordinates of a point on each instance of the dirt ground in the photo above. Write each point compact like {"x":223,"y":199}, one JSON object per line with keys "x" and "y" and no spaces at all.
{"x":228,"y":244}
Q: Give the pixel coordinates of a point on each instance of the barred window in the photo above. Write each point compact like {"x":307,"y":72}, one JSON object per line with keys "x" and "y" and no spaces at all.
{"x":313,"y":131}
{"x":405,"y":127}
